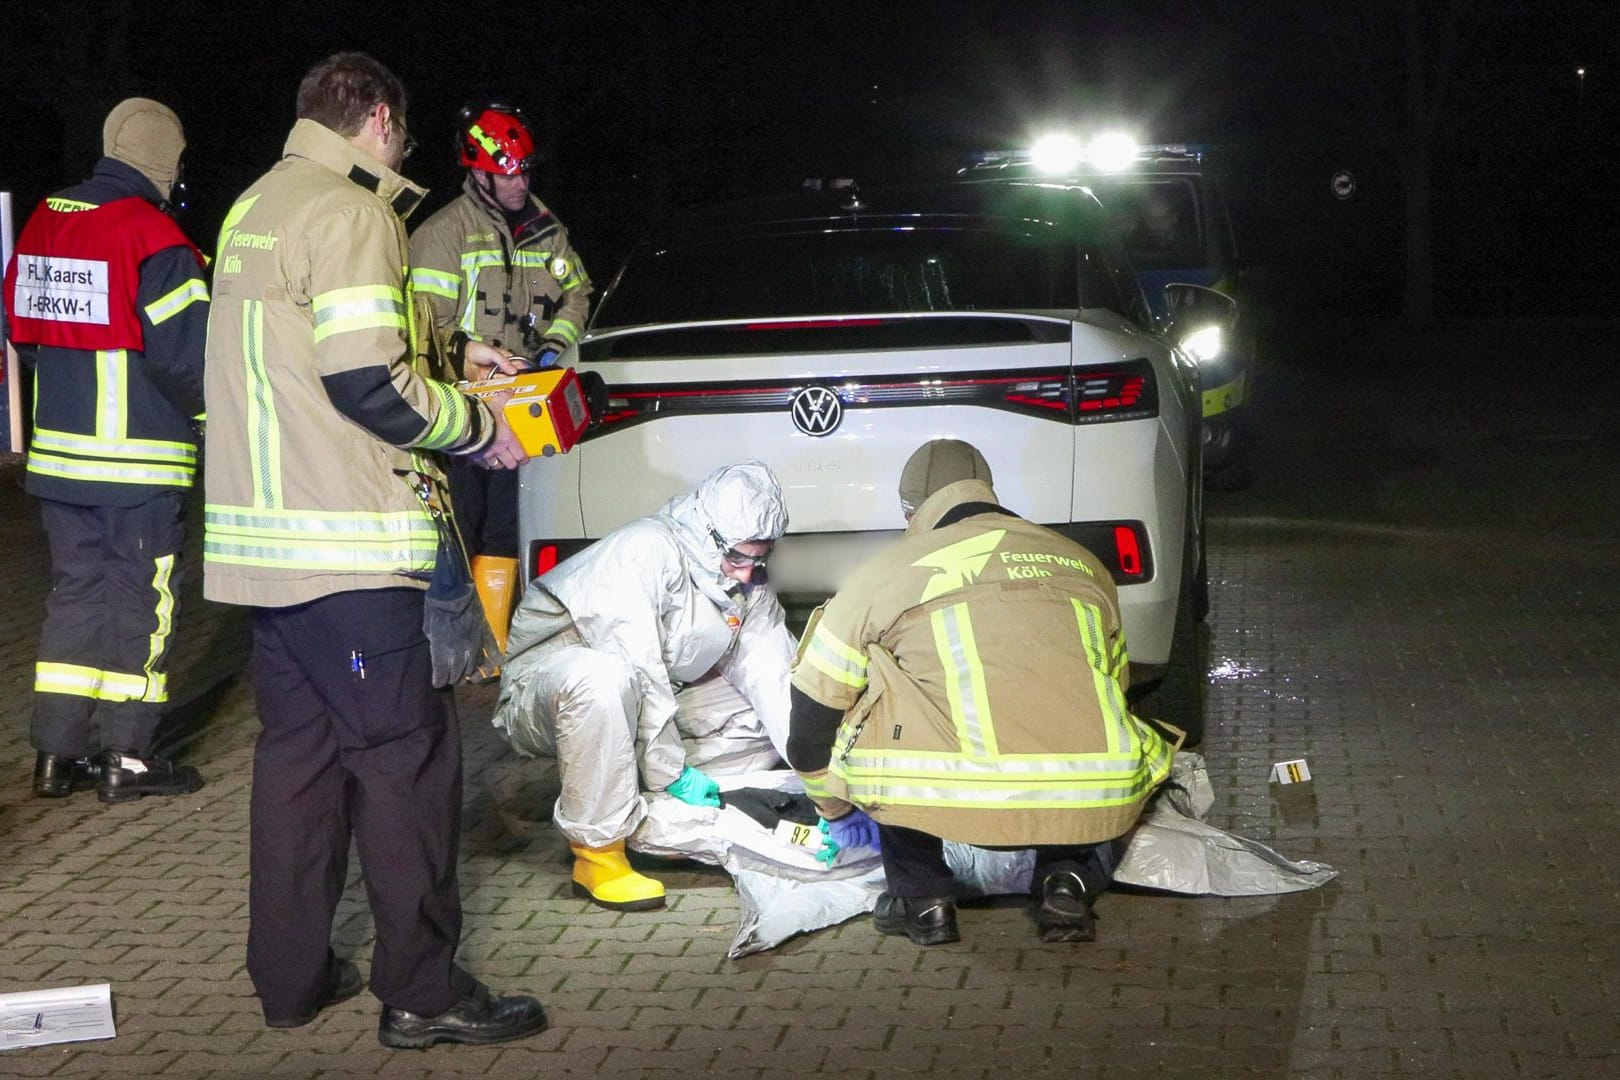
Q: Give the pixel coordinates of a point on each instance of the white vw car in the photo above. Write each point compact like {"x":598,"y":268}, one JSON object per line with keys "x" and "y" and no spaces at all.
{"x":831,"y":334}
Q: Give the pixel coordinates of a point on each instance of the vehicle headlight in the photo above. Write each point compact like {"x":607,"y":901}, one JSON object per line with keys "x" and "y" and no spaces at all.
{"x":1204,"y":344}
{"x":1056,"y":153}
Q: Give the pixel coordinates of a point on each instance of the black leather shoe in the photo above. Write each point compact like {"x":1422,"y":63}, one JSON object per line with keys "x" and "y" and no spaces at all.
{"x":926,"y":920}
{"x":476,"y":1018}
{"x":126,"y":776}
{"x":347,"y":983}
{"x":57,"y":776}
{"x":1065,"y":912}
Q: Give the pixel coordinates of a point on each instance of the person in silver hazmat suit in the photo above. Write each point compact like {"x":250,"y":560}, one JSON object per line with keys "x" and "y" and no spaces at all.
{"x":657,"y":651}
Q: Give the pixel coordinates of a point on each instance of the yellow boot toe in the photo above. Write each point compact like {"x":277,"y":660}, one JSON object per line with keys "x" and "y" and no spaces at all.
{"x":603,"y":876}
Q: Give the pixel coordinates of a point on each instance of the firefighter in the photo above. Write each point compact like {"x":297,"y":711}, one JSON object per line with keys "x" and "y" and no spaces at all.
{"x":108,"y":306}
{"x":496,"y":265}
{"x":320,"y":418}
{"x":972,"y":679}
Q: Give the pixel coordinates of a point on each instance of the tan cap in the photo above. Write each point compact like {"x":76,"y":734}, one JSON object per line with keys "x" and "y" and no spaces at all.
{"x":145,"y":135}
{"x":935,"y":464}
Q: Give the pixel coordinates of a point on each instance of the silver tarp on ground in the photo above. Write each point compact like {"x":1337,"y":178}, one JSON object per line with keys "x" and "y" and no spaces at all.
{"x":785,"y":891}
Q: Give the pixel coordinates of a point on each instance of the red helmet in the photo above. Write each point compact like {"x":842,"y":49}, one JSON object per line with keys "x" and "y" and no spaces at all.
{"x":495,"y":138}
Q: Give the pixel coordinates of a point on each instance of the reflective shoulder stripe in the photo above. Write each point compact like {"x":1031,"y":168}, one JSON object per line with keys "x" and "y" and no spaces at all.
{"x":531,"y":258}
{"x":475,"y":260}
{"x":836,"y":660}
{"x":435,"y":282}
{"x":358,"y":307}
{"x":167,"y":306}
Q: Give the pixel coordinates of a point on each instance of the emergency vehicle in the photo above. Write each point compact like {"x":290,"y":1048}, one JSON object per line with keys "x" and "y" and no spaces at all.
{"x":1171,"y":218}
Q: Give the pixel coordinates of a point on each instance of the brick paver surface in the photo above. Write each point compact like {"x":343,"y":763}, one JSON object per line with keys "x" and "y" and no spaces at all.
{"x":1418,"y":595}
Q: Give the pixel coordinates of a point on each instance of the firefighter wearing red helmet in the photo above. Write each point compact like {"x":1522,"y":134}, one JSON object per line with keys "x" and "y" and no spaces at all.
{"x":497,"y":265}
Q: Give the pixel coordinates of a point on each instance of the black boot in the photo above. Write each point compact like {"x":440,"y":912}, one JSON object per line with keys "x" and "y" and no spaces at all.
{"x":1065,"y":912}
{"x":126,"y":775}
{"x":476,"y":1018}
{"x":926,"y":920}
{"x":58,"y":775}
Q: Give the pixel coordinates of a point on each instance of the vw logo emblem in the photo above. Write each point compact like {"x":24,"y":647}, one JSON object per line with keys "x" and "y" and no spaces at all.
{"x":817,"y":410}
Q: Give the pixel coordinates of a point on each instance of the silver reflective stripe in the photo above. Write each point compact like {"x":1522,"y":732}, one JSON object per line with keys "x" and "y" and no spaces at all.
{"x":150,"y":450}
{"x":953,"y":631}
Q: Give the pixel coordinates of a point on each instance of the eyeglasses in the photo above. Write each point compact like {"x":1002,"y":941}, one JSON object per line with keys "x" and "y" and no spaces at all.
{"x":735,"y":559}
{"x":410,"y":140}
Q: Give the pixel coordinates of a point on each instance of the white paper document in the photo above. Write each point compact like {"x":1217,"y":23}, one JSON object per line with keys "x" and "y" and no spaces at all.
{"x":70,"y":1014}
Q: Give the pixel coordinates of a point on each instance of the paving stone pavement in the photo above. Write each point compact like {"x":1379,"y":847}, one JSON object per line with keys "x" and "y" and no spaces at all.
{"x":1418,"y":595}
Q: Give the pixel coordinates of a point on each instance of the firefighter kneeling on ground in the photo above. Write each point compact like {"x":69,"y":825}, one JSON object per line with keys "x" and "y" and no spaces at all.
{"x":946,"y":694}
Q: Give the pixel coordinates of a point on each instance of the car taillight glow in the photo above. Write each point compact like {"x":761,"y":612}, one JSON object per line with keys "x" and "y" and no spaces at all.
{"x":1127,"y":551}
{"x":1071,"y":395}
{"x":545,"y":557}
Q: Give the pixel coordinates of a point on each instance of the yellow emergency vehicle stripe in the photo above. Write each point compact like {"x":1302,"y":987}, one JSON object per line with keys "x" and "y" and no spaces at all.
{"x":173,"y":303}
{"x":964,"y":680}
{"x":263,"y":427}
{"x":434,"y":282}
{"x":358,"y":307}
{"x":449,"y":425}
{"x":836,"y":660}
{"x":158,"y":642}
{"x":80,"y":681}
{"x":1227,"y":396}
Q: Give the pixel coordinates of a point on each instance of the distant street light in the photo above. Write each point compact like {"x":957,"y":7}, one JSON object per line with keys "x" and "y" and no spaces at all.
{"x":1580,"y":87}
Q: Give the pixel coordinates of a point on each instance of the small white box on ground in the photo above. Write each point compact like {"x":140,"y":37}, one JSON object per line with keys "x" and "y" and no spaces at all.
{"x":1290,"y":772}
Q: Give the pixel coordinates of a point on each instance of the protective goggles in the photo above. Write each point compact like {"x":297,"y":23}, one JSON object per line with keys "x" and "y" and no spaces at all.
{"x":735,"y":559}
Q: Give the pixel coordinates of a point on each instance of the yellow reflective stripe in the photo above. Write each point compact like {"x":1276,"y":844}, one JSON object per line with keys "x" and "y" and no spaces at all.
{"x":964,"y":680}
{"x":564,"y":329}
{"x":162,"y":575}
{"x":81,"y":681}
{"x":112,"y":393}
{"x":172,"y":303}
{"x":320,"y":540}
{"x":1227,"y":396}
{"x":263,"y":427}
{"x":834,"y":659}
{"x":576,"y":277}
{"x":77,"y":469}
{"x":1110,"y":698}
{"x":436,"y":282}
{"x":532,"y":259}
{"x":472,"y":261}
{"x":358,"y":307}
{"x":450,"y":424}
{"x":815,"y":785}
{"x":70,"y":442}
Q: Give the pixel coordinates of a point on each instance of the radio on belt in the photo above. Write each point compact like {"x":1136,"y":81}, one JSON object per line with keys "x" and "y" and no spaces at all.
{"x":547,"y":410}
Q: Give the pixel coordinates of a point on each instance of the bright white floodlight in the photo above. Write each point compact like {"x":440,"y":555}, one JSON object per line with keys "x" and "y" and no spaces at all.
{"x":1112,"y":151}
{"x":1056,"y":153}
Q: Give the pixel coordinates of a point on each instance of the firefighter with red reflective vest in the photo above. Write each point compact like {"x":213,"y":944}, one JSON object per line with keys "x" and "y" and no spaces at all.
{"x":497,"y":266}
{"x":108,"y":306}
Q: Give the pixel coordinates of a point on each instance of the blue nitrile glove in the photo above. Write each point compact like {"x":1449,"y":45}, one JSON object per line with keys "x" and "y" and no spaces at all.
{"x":829,"y":847}
{"x":854,"y":829}
{"x":695,"y":789}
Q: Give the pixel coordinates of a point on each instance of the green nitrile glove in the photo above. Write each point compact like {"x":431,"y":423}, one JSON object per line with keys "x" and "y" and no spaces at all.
{"x":829,"y":847}
{"x":695,"y":789}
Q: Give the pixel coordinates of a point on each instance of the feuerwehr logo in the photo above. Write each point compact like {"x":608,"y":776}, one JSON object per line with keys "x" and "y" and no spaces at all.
{"x":817,"y":410}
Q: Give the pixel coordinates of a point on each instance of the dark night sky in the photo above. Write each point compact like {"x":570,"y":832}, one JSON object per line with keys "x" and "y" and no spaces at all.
{"x":651,"y":106}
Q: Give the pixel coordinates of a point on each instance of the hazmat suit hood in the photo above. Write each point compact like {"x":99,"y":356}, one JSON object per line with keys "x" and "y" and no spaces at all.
{"x":737,"y":503}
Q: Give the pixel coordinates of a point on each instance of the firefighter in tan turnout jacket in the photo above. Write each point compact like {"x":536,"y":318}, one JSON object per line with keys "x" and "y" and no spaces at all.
{"x":318,"y":420}
{"x":969,"y":685}
{"x":496,"y":265}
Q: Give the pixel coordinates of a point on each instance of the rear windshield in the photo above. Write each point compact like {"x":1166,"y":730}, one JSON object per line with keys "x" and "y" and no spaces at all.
{"x":1157,"y":221}
{"x":850,"y":271}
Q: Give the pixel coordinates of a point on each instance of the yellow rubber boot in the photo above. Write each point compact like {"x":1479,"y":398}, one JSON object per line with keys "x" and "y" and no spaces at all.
{"x":603,"y":875}
{"x":496,"y":579}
